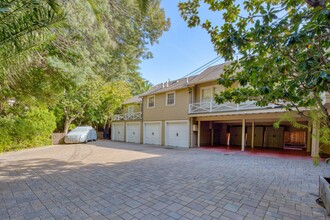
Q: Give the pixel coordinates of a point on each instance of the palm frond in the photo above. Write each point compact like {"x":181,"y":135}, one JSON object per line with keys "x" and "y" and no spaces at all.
{"x":24,"y":27}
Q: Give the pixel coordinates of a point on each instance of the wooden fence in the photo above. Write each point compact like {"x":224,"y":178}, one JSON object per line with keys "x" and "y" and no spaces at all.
{"x":58,"y":138}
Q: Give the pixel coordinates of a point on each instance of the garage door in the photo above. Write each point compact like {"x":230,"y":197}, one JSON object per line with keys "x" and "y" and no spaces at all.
{"x":152,"y":133}
{"x":117,"y":132}
{"x":177,"y":134}
{"x":133,"y":132}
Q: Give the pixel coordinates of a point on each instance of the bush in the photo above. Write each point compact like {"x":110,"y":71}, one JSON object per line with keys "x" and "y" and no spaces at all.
{"x":32,"y":129}
{"x":6,"y":137}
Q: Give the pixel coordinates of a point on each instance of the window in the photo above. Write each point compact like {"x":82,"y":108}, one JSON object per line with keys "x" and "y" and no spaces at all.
{"x":206,"y":95}
{"x":170,"y":98}
{"x":130,"y":109}
{"x":217,"y":90}
{"x":151,"y":102}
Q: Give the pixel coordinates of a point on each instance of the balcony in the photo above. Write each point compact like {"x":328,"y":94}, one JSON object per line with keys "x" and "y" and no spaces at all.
{"x":128,"y":116}
{"x":212,"y":107}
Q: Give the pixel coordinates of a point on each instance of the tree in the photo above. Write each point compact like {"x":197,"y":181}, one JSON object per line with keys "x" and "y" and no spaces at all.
{"x":283,"y":48}
{"x":92,"y":102}
{"x":25,"y":26}
{"x":103,"y":48}
{"x":139,"y":85}
{"x":82,"y":69}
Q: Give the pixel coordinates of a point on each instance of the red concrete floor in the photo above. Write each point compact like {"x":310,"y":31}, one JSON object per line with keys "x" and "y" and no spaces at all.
{"x":259,"y":151}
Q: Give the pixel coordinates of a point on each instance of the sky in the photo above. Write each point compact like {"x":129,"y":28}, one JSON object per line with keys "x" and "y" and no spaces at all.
{"x":180,"y":50}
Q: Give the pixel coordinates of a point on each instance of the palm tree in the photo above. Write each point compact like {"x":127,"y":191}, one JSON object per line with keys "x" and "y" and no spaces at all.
{"x":24,"y":27}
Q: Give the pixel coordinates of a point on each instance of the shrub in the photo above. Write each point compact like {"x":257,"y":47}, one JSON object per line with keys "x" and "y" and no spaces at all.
{"x":32,"y":129}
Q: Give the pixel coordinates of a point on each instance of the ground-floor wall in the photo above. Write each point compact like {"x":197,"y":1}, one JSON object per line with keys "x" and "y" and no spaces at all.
{"x":176,"y":133}
{"x":245,"y":130}
{"x":127,"y":131}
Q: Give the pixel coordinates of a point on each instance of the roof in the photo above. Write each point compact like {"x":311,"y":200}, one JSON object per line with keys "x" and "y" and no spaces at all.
{"x":134,"y":99}
{"x":210,"y":74}
{"x":169,"y":86}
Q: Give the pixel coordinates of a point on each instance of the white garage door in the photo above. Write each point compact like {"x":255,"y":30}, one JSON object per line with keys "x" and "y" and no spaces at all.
{"x":117,"y":132}
{"x":177,"y":134}
{"x":133,"y":132}
{"x":152,"y":133}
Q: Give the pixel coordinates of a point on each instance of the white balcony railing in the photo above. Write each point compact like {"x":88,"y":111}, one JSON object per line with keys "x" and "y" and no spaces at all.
{"x":209,"y":107}
{"x":128,"y":116}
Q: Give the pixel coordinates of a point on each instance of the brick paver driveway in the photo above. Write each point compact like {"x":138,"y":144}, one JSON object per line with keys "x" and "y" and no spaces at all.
{"x":108,"y":180}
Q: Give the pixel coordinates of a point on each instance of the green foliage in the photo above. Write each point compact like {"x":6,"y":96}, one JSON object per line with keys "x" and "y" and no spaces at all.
{"x":283,"y":48}
{"x":72,"y":126}
{"x":289,"y":116}
{"x":82,"y":69}
{"x":101,"y":53}
{"x":25,"y":27}
{"x":31,"y":129}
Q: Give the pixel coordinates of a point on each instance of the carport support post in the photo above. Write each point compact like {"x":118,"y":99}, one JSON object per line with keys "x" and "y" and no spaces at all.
{"x":309,"y":138}
{"x":252,"y":135}
{"x":315,"y":139}
{"x":199,"y":134}
{"x":243,"y":134}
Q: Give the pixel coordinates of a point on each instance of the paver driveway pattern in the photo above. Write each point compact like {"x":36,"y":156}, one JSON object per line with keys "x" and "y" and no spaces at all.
{"x":109,"y":180}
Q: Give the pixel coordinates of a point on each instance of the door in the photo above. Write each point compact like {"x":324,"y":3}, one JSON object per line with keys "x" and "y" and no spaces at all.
{"x":117,"y":131}
{"x":152,"y":133}
{"x":274,"y":137}
{"x":177,"y":134}
{"x":133,"y":132}
{"x":258,"y":136}
{"x":236,"y":136}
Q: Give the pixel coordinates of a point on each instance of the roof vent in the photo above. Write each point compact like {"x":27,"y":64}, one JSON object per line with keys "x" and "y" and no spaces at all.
{"x":167,"y":83}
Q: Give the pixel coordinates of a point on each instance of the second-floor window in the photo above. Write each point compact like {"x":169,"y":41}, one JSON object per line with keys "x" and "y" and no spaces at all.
{"x":151,"y":102}
{"x":130,"y":109}
{"x":208,"y":93}
{"x":170,"y":98}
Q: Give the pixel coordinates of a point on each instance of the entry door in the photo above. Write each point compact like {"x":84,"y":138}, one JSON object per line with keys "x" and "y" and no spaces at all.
{"x":274,"y":137}
{"x":236,"y":136}
{"x":258,"y":136}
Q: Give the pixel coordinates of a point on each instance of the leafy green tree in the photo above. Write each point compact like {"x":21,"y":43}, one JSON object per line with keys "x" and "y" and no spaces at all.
{"x":104,"y":48}
{"x":91,"y":103}
{"x":111,"y":97}
{"x":283,"y":49}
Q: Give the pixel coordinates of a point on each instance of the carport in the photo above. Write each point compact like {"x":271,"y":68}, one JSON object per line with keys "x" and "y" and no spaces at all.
{"x":255,"y":131}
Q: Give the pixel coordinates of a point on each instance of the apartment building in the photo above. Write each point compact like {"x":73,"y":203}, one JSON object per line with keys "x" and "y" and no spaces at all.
{"x":183,"y":113}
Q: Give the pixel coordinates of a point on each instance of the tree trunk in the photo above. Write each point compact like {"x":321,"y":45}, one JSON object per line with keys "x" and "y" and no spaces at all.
{"x":67,"y":124}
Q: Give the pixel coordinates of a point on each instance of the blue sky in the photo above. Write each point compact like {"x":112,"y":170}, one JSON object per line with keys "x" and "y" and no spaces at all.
{"x":180,"y":50}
